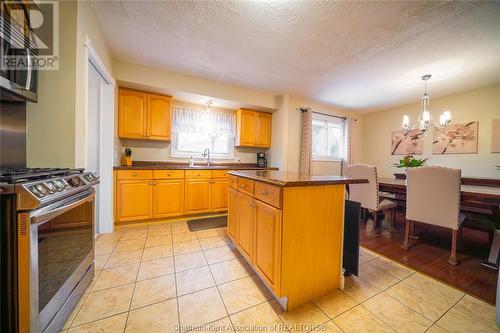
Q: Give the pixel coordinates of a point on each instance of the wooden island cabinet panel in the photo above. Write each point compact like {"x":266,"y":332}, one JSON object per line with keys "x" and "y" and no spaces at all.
{"x":246,"y":225}
{"x":267,"y":253}
{"x":232,"y":215}
{"x":290,"y":235}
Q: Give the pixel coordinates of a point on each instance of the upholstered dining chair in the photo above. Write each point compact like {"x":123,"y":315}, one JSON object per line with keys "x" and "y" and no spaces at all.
{"x":433,"y":197}
{"x":368,"y":194}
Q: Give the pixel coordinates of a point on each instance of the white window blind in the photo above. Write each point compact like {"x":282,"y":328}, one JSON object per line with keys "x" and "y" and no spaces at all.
{"x":195,"y":130}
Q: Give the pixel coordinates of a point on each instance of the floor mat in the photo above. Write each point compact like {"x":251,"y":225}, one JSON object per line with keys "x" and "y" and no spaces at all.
{"x":208,"y":223}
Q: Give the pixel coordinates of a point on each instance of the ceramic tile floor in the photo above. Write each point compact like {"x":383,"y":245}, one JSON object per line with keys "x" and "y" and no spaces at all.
{"x":156,"y":277}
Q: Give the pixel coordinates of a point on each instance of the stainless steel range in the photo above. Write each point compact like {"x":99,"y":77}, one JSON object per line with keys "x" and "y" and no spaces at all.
{"x":47,"y":231}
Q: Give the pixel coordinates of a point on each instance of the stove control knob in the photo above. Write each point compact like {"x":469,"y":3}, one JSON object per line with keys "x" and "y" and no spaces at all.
{"x":39,"y":190}
{"x":36,"y":192}
{"x":50,"y":185}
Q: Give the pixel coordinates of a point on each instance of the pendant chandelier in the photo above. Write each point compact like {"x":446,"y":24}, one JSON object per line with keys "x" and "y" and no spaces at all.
{"x":424,"y":120}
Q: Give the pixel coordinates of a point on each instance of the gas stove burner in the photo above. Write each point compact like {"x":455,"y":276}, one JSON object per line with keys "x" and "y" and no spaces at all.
{"x":14,"y":176}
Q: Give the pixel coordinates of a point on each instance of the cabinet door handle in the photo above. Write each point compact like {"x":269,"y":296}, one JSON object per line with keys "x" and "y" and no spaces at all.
{"x":152,"y":183}
{"x":243,"y":186}
{"x":252,"y":203}
{"x":264,"y":192}
{"x":135,"y":174}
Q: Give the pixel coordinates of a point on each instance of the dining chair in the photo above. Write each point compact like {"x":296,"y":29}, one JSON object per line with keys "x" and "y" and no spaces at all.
{"x":368,"y":194}
{"x":433,"y":197}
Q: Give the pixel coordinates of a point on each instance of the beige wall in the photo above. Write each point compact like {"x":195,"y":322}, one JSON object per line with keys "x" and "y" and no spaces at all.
{"x":56,"y":124}
{"x":51,"y":121}
{"x":160,"y":151}
{"x":175,"y":82}
{"x":481,"y":105}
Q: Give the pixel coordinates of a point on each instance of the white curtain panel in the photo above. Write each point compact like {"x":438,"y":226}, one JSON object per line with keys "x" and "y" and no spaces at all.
{"x":306,"y":147}
{"x":204,"y":122}
{"x":349,"y":129}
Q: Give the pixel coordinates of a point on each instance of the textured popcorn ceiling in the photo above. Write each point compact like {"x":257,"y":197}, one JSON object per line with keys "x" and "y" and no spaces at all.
{"x":360,"y":55}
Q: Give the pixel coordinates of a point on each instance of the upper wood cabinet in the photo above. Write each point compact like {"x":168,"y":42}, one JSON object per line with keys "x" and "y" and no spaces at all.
{"x":159,"y":117}
{"x":144,"y":115}
{"x":132,"y":114}
{"x":253,"y":129}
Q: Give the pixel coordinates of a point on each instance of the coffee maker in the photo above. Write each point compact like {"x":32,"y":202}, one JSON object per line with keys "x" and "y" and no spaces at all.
{"x":261,"y":160}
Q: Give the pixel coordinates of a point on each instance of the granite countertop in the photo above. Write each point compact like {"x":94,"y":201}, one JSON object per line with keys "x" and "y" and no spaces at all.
{"x":147,"y":165}
{"x":290,"y":179}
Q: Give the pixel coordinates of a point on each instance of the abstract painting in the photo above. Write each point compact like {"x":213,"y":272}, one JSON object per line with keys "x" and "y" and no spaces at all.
{"x":456,"y":139}
{"x":410,"y":144}
{"x":495,"y":136}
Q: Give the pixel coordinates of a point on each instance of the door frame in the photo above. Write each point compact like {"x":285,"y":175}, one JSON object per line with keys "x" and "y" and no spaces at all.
{"x":106,"y":138}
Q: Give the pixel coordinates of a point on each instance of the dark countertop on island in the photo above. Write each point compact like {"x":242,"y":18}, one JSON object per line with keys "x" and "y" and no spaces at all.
{"x":290,"y":179}
{"x":150,"y":165}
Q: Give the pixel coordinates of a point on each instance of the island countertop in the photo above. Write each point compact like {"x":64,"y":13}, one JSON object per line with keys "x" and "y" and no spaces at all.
{"x":294,"y":179}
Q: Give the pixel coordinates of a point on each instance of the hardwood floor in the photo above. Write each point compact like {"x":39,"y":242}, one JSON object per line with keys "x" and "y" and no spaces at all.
{"x":429,"y":254}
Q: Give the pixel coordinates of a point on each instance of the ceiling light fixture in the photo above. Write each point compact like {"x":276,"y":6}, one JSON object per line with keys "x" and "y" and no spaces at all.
{"x":424,"y":120}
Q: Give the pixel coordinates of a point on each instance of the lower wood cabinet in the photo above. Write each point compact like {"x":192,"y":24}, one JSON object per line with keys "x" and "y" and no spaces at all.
{"x":151,"y":194}
{"x":232,"y":215}
{"x":219,"y":195}
{"x":168,"y":198}
{"x":267,"y":234}
{"x":133,"y":200}
{"x":246,"y":224}
{"x":198,"y":196}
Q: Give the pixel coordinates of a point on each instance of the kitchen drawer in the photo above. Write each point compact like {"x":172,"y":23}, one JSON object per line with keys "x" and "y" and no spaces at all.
{"x":245,"y":185}
{"x":168,"y":174}
{"x":233,"y":182}
{"x":220,"y":173}
{"x":268,"y":193}
{"x":134,"y":174}
{"x":198,"y":174}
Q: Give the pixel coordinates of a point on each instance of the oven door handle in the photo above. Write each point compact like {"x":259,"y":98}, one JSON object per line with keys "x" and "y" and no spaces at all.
{"x":45,"y":215}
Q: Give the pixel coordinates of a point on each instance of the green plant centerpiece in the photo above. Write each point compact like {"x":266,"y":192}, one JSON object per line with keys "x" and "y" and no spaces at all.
{"x":410,"y":162}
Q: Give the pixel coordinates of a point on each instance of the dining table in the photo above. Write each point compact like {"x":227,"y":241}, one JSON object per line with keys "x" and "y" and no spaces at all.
{"x":474,"y":198}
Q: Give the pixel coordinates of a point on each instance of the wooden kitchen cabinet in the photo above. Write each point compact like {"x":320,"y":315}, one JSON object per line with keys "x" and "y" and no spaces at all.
{"x":246,"y":224}
{"x":134,"y":200}
{"x":219,"y":194}
{"x":198,"y":196}
{"x":143,"y":115}
{"x":290,"y":234}
{"x":263,"y":130}
{"x":131,"y":114}
{"x":232,"y":215}
{"x":168,"y":198}
{"x":267,"y":253}
{"x":159,"y":116}
{"x":171,"y":193}
{"x":253,"y":128}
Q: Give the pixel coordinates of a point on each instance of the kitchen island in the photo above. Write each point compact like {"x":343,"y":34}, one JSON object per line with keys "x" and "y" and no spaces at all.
{"x":289,"y":227}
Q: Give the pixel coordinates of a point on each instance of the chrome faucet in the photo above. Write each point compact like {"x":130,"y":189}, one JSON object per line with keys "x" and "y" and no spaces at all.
{"x":206,"y":153}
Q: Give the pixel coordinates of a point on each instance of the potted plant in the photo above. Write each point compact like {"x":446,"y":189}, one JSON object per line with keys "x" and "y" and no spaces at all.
{"x":410,"y":162}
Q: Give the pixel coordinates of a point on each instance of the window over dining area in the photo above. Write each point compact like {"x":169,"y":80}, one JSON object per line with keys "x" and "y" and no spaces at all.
{"x":327,"y":138}
{"x":196,"y":130}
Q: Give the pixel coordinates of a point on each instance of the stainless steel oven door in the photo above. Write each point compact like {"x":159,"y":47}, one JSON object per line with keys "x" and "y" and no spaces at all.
{"x":61,"y":252}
